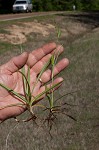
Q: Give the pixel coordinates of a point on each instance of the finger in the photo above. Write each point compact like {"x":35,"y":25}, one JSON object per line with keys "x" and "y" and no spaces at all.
{"x":59,"y":49}
{"x":15,"y":63}
{"x":39,"y":65}
{"x":57,"y":69}
{"x":38,"y":54}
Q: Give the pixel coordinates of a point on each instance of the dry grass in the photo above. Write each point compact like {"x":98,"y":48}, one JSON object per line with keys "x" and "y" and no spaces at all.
{"x":81,"y":81}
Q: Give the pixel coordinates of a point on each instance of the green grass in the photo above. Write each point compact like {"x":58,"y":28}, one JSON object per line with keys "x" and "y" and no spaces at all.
{"x":4,"y":46}
{"x":4,"y":31}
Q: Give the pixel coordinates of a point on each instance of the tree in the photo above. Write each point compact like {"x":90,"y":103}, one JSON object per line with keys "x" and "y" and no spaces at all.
{"x":37,"y":5}
{"x":47,"y":5}
{"x":78,"y":4}
{"x":94,"y":5}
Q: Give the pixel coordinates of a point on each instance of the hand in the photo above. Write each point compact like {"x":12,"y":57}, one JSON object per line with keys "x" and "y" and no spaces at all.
{"x":10,"y":76}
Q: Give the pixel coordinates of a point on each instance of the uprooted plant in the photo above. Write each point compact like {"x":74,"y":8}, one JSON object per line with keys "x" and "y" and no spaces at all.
{"x":29,"y":101}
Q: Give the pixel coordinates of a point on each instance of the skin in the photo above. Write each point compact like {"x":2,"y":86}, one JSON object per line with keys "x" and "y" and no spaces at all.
{"x":10,"y":76}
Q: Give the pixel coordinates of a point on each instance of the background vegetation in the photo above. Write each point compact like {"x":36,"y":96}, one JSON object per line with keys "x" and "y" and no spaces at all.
{"x":53,"y":5}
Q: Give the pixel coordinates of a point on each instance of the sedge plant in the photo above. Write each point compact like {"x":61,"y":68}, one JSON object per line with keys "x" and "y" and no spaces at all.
{"x":53,"y":108}
{"x":28,"y":100}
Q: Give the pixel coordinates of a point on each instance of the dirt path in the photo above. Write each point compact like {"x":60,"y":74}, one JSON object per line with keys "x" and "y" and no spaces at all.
{"x":26,"y":15}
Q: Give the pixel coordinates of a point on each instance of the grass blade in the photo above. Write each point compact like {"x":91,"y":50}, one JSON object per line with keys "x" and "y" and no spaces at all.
{"x":28,"y":75}
{"x":13,"y":92}
{"x":42,"y":71}
{"x":37,"y":98}
{"x":26,"y":86}
{"x":12,"y":105}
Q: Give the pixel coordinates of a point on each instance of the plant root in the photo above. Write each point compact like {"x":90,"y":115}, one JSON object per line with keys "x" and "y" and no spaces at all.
{"x":52,"y":115}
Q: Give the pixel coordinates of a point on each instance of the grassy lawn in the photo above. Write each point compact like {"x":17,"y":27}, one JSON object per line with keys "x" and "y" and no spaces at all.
{"x":80,"y":38}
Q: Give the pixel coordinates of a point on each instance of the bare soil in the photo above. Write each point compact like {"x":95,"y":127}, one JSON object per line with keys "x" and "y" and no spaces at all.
{"x":18,"y":33}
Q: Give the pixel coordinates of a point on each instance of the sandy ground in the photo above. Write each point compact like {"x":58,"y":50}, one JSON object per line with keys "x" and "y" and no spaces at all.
{"x":17,"y":34}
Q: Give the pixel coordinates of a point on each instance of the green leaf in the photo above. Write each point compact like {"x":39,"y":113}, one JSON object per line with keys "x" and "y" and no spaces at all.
{"x":13,"y":92}
{"x":26,"y":85}
{"x":37,"y":98}
{"x":12,"y":105}
{"x":58,"y":33}
{"x":42,"y":71}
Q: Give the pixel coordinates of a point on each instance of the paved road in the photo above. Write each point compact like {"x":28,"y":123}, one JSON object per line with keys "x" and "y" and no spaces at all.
{"x":26,"y":15}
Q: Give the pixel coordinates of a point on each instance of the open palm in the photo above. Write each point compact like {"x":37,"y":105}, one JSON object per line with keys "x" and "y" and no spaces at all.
{"x":12,"y":78}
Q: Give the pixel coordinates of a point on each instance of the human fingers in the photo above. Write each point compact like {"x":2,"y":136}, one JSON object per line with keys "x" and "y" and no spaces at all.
{"x":39,"y":53}
{"x":14,"y":64}
{"x":61,"y":65}
{"x":40,"y":64}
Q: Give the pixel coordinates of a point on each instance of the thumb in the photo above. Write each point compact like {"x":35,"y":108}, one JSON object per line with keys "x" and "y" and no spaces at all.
{"x":16,"y":63}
